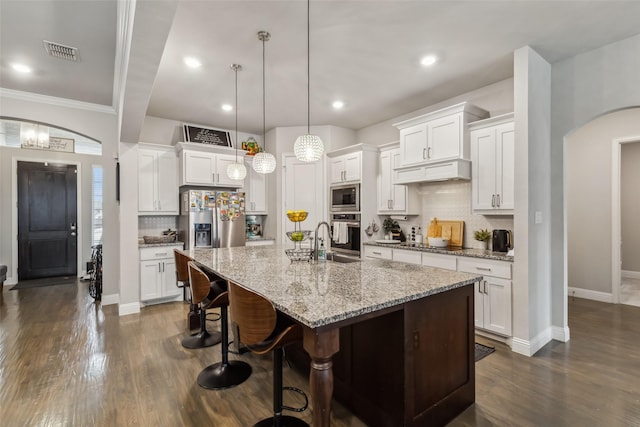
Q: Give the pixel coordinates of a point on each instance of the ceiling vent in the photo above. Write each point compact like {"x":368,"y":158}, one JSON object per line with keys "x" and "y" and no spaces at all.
{"x":61,"y":51}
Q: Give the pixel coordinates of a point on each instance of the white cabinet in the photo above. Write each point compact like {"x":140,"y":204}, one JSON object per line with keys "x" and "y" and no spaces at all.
{"x":492,"y":294}
{"x":378,"y":252}
{"x":392,"y":198}
{"x":157,"y":181}
{"x":404,"y":255}
{"x":446,"y":262}
{"x":435,"y":146}
{"x":492,"y":154}
{"x":158,"y":273}
{"x":255,"y":189}
{"x":207,"y":168}
{"x":345,"y":168}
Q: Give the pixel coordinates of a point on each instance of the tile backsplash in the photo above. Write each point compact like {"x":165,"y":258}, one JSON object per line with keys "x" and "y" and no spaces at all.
{"x":155,"y":225}
{"x":451,"y":200}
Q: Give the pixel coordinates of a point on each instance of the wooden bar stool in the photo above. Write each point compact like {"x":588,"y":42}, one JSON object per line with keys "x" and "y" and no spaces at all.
{"x":227,"y":373}
{"x":182,"y":281}
{"x":203,"y":293}
{"x":262,"y":329}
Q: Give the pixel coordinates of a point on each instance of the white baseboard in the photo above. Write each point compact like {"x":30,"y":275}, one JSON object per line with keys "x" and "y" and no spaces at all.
{"x":131,"y":308}
{"x":628,"y":274}
{"x":559,"y":333}
{"x":110,"y":299}
{"x":529,"y":348}
{"x":589,"y":294}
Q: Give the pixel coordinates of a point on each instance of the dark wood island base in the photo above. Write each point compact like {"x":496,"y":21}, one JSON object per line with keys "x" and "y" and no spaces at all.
{"x":411,"y":366}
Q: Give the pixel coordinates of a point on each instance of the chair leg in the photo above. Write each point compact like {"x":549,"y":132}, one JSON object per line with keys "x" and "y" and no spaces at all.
{"x":225,"y":374}
{"x":204,"y":338}
{"x":279,"y":420}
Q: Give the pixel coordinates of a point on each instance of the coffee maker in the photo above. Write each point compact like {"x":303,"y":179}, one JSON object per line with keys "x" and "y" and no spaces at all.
{"x":501,"y":240}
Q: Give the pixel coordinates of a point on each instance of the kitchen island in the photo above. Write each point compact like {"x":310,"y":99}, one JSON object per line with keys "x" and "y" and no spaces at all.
{"x":417,"y":334}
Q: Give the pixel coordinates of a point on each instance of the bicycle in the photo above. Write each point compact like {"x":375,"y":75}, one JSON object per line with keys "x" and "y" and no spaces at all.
{"x":95,"y":284}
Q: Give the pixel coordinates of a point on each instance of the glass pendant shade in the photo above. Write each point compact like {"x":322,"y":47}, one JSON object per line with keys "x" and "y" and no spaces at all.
{"x":236,"y":171}
{"x":308,"y":148}
{"x":264,"y":162}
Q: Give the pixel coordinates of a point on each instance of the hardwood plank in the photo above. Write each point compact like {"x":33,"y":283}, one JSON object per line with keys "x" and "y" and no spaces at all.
{"x":65,"y":361}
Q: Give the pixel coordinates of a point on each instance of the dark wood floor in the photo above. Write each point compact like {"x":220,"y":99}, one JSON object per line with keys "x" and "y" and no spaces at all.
{"x":66,"y":362}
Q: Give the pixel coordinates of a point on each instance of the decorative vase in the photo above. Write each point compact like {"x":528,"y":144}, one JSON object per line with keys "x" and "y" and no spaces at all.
{"x":483,"y":244}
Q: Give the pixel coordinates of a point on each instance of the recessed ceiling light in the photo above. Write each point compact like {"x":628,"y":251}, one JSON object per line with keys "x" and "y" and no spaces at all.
{"x":337,"y":104}
{"x":227,"y":107}
{"x":21,"y":68}
{"x":192,"y":62}
{"x":429,"y":60}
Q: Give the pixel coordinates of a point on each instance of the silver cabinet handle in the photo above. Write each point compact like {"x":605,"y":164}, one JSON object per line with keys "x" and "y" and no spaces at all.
{"x":428,"y":152}
{"x":163,"y":267}
{"x":159,"y":205}
{"x":424,"y":153}
{"x":159,"y":271}
{"x":392,"y":203}
{"x":161,"y":254}
{"x":377,"y":253}
{"x":480,"y":288}
{"x":493,"y":200}
{"x":483,"y":268}
{"x":498,"y":200}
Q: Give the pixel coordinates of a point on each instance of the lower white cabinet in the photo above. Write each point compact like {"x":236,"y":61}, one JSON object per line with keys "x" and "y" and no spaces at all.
{"x":492,"y":294}
{"x":446,"y":262}
{"x":411,"y":257}
{"x":378,"y":252}
{"x":158,"y":273}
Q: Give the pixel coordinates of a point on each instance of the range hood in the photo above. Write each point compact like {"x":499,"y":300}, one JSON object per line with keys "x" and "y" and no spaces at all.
{"x":449,"y":170}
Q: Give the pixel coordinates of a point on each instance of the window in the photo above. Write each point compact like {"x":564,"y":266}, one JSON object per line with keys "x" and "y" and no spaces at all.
{"x":96,"y":205}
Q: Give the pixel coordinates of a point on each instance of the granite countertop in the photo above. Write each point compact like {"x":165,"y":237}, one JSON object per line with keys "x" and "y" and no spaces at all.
{"x":468,"y":252}
{"x":319,"y":294}
{"x":141,"y":244}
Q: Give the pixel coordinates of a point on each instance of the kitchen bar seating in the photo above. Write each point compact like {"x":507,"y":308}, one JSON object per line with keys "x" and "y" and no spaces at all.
{"x":227,"y":373}
{"x":262,"y":329}
{"x":182,"y":281}
{"x":202,"y":294}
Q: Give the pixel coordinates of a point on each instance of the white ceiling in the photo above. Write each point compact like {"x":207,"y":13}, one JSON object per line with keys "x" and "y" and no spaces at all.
{"x":365,"y":53}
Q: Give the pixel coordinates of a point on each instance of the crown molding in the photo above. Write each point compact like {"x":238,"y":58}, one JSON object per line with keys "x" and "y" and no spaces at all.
{"x":52,"y":100}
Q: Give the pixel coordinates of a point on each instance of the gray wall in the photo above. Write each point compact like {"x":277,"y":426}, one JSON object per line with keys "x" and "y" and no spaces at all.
{"x":584,"y":87}
{"x":588,"y":183}
{"x":630,"y":202}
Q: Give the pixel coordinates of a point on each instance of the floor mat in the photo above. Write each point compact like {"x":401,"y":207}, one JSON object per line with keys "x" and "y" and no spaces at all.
{"x":483,"y":351}
{"x":49,"y":281}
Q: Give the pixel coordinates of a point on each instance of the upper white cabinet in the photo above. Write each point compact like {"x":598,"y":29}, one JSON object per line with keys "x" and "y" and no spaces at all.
{"x":492,"y":153}
{"x":435,"y":146}
{"x":157,"y":180}
{"x":207,"y":166}
{"x":392,"y":198}
{"x":346,"y":168}
{"x":255,"y":188}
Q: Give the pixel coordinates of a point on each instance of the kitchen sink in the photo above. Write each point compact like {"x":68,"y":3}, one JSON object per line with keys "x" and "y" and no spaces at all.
{"x":341,"y":258}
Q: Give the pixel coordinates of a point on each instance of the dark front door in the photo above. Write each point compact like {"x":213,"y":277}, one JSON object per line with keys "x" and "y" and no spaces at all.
{"x":47,"y":222}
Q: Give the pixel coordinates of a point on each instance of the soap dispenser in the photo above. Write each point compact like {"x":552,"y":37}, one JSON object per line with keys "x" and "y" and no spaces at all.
{"x":322,"y":253}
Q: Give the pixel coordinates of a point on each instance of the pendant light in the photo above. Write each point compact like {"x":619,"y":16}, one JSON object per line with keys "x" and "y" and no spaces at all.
{"x":236,"y":170}
{"x":308,"y":148}
{"x":264,"y":162}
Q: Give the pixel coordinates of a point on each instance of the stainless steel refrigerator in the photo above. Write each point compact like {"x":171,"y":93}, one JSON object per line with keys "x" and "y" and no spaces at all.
{"x":211,"y":219}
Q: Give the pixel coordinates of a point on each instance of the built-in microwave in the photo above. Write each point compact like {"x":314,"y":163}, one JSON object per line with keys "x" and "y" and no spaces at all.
{"x":345,"y":198}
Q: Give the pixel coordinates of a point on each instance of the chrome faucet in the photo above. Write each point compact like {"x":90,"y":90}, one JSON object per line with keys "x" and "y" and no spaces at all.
{"x":315,"y":242}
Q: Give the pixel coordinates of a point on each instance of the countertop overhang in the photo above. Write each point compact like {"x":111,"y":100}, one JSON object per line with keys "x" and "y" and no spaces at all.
{"x":326,"y":293}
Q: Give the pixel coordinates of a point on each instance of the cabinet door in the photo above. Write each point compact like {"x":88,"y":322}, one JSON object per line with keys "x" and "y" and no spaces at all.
{"x":222,"y":161}
{"x":398,"y":192}
{"x":147,"y":173}
{"x":413,"y":145}
{"x":483,"y":180}
{"x":497,"y":305}
{"x":384,"y":181}
{"x":167,"y":182}
{"x":444,"y":136}
{"x":337,"y":170}
{"x":255,"y":191}
{"x":199,"y":167}
{"x":352,"y":166}
{"x":169,"y":287}
{"x":150,"y":280}
{"x":505,"y":155}
{"x":411,"y":257}
{"x":478,"y":301}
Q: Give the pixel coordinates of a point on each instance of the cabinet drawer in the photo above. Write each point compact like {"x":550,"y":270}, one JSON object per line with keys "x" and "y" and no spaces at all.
{"x":447,"y":262}
{"x":378,"y":252}
{"x":158,"y":252}
{"x":412,"y":257}
{"x":485,"y":267}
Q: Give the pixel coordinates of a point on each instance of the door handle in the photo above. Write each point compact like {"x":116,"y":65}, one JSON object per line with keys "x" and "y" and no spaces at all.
{"x":73,"y":233}
{"x":73,"y":226}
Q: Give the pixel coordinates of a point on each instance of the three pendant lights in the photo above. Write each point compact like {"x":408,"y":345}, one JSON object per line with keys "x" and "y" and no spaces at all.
{"x":307,"y":148}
